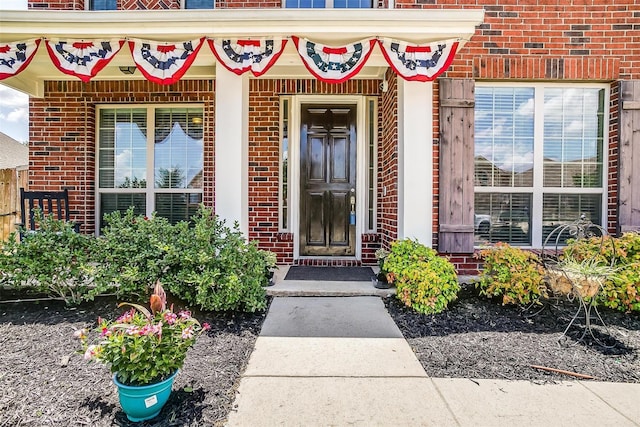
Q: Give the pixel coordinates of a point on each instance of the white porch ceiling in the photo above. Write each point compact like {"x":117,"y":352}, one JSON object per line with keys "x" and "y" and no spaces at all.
{"x":327,"y":26}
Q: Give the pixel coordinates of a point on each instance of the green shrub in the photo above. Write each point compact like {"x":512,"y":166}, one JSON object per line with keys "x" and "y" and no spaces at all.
{"x":214,"y":267}
{"x":133,"y":252}
{"x":512,"y":273}
{"x":55,"y":260}
{"x":621,"y":291}
{"x":424,"y":281}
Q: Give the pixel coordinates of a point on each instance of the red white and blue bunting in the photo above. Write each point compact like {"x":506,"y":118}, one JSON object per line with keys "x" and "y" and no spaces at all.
{"x":167,"y":62}
{"x":418,"y":62}
{"x":333,"y":64}
{"x":240,"y":56}
{"x":83,"y":58}
{"x":164,"y":63}
{"x":15,"y":56}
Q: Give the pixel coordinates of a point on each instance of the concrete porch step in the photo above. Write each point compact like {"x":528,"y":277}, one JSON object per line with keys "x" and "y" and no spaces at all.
{"x":312,"y":288}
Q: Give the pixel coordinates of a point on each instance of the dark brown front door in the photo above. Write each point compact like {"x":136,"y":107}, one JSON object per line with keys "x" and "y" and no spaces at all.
{"x":327,"y":180}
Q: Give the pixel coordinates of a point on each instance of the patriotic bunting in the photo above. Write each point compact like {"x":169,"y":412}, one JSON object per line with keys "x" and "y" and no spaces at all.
{"x":164,"y":63}
{"x":333,"y":64}
{"x":83,"y":59}
{"x":15,"y":56}
{"x":421,"y":63}
{"x":240,"y":56}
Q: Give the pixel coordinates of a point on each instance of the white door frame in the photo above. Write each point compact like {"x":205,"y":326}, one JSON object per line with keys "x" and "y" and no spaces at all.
{"x":361,"y":159}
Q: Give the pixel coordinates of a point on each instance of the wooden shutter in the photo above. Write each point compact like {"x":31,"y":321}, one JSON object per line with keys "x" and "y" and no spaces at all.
{"x":456,"y":166}
{"x":629,"y":157}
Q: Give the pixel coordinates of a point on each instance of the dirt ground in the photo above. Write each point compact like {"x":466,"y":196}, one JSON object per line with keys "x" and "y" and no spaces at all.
{"x":44,"y":382}
{"x":480,"y":338}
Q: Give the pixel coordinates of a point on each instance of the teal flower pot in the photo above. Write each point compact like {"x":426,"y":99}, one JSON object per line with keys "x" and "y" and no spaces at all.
{"x":144,"y":402}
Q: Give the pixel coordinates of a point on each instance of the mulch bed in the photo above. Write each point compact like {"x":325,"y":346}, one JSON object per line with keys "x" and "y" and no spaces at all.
{"x":44,"y":382}
{"x":479,"y":338}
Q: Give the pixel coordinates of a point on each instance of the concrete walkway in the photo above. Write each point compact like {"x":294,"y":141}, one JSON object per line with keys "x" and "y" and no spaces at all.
{"x":323,"y":361}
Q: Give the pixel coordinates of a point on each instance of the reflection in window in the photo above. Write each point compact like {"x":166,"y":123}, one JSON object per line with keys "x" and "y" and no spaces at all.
{"x":102,"y":5}
{"x":173,"y":138}
{"x":547,"y":142}
{"x":502,"y":217}
{"x":198,"y":4}
{"x":372,"y":126}
{"x":321,"y":4}
{"x":284,"y":162}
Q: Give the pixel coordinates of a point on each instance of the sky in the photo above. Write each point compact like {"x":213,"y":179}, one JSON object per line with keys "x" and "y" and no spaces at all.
{"x":14,"y":105}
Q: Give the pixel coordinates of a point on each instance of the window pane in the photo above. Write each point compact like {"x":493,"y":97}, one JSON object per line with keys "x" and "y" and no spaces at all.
{"x":177,"y":207}
{"x":122,"y":148}
{"x":371,"y":177}
{"x":316,"y":4}
{"x":102,"y":5}
{"x":560,"y":209}
{"x":284,"y":161}
{"x":504,"y":137}
{"x":198,"y":4}
{"x":502,"y":217}
{"x":573,"y":137}
{"x":121,"y":202}
{"x":178,"y":148}
{"x":353,"y":4}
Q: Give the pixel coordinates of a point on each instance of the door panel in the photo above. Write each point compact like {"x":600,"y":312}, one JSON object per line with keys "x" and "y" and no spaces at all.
{"x":339,"y":227}
{"x":339,"y":160}
{"x":327,"y":180}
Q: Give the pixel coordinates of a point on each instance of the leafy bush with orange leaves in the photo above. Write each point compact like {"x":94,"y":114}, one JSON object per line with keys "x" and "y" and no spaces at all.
{"x":621,"y":291}
{"x":425,"y":281}
{"x":514,"y":274}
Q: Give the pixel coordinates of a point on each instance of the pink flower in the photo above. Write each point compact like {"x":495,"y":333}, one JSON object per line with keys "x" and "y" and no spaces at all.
{"x":133,"y":330}
{"x":126,"y":317}
{"x":105,"y":332}
{"x":185,"y":314}
{"x":91,"y":352}
{"x":206,"y":326}
{"x":80,"y":333}
{"x":187,"y":333}
{"x":170,"y":317}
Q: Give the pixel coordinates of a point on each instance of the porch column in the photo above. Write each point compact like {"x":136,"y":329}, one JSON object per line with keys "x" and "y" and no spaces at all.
{"x":231,"y":148}
{"x":415,"y":161}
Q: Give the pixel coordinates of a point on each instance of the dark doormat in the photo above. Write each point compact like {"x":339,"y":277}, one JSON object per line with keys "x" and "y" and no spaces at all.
{"x":330,"y":274}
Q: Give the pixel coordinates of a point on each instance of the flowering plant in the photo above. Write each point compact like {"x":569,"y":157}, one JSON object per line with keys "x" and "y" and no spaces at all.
{"x":141,"y":346}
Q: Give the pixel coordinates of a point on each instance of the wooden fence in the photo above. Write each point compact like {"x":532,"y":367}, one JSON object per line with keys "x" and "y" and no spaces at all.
{"x":10,"y":182}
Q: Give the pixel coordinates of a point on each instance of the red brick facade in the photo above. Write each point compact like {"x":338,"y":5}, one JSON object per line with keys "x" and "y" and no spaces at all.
{"x":525,"y":40}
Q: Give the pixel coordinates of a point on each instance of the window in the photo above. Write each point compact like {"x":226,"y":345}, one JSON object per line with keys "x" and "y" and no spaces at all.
{"x":198,"y":4}
{"x":285,"y":103}
{"x":372,"y":158}
{"x":328,"y":4}
{"x":102,"y":5}
{"x":150,"y":158}
{"x":539,"y":159}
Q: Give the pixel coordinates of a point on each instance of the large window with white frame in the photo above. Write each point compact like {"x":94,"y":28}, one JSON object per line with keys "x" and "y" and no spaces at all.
{"x":150,"y":158}
{"x":540,"y":159}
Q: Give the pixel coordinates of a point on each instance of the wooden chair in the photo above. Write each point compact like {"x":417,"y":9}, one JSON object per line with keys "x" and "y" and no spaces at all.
{"x":54,"y":203}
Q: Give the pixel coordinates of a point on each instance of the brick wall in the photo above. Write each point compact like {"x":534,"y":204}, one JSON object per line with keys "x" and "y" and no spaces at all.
{"x":62,"y":134}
